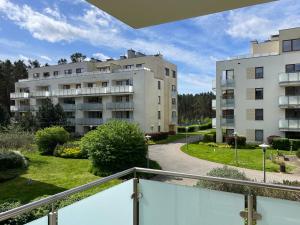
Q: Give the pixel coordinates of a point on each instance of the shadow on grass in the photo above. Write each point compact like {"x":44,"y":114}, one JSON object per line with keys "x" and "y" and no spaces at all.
{"x":25,"y":190}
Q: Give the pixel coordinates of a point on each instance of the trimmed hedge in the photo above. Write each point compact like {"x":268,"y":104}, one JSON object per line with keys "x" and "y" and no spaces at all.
{"x":194,"y":128}
{"x":158,"y":136}
{"x":295,"y":144}
{"x":271,"y":138}
{"x":209,"y":137}
{"x":241,"y":141}
{"x":48,"y":138}
{"x":298,"y":153}
{"x":281,"y":143}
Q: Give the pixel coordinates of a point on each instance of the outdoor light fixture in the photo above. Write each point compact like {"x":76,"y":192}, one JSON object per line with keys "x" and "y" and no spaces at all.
{"x":235,"y":147}
{"x":264,"y":148}
{"x":147,"y":140}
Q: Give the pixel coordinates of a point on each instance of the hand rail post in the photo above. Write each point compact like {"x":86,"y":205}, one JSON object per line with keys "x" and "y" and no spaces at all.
{"x":135,"y":197}
{"x":52,"y":216}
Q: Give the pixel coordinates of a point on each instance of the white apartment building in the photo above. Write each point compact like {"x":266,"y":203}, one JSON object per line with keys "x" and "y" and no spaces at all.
{"x":258,"y":95}
{"x":137,"y":87}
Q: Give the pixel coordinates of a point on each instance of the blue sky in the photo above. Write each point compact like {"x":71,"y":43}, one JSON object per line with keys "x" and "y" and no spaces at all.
{"x":51,"y":29}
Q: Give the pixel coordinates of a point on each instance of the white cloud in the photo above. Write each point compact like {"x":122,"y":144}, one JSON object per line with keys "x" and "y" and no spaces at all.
{"x":100,"y":56}
{"x":11,"y":43}
{"x":46,"y":58}
{"x":53,"y":12}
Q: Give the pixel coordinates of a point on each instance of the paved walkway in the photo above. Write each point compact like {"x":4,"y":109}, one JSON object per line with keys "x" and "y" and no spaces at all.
{"x":171,"y":158}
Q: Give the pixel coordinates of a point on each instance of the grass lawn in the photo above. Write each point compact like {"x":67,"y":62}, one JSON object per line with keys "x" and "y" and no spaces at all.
{"x":247,"y":158}
{"x":49,"y":175}
{"x":172,"y":138}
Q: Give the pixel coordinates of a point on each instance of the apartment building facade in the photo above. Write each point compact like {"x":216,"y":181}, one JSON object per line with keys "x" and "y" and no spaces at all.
{"x":139,"y":88}
{"x":258,"y":95}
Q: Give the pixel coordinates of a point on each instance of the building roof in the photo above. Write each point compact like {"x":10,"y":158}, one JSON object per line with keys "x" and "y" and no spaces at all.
{"x":143,"y":13}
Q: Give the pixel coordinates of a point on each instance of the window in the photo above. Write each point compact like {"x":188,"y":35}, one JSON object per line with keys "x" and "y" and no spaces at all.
{"x":139,"y":65}
{"x":158,"y":115}
{"x":259,"y":72}
{"x":259,"y":135}
{"x":36,"y":75}
{"x":259,"y":93}
{"x":292,"y":68}
{"x":159,"y":100}
{"x":229,"y":132}
{"x":173,"y":101}
{"x":55,"y":73}
{"x":104,"y":84}
{"x":127,"y":98}
{"x":173,"y":114}
{"x":94,"y":100}
{"x":104,"y":69}
{"x":78,"y":70}
{"x":69,"y":101}
{"x":128,"y":66}
{"x":119,"y":83}
{"x":90,"y":85}
{"x":174,"y":73}
{"x":95,"y":114}
{"x":127,"y":82}
{"x":68,"y":71}
{"x":291,"y":45}
{"x":158,"y":128}
{"x":78,"y":86}
{"x":158,"y":85}
{"x":46,"y":74}
{"x":259,"y":114}
{"x":173,"y":88}
{"x":66,"y":86}
{"x":167,"y":71}
{"x":229,"y":75}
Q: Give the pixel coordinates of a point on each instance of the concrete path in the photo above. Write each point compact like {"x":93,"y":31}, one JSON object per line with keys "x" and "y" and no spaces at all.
{"x":171,"y":158}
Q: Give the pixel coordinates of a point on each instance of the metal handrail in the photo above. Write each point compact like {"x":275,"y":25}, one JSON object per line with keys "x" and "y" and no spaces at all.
{"x":17,"y":211}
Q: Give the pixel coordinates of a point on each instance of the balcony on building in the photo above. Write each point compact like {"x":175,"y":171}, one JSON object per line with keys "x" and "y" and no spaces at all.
{"x":228,"y":121}
{"x":289,"y":125}
{"x":227,"y":103}
{"x":71,"y":121}
{"x":19,"y":95}
{"x":89,"y":121}
{"x":20,"y":108}
{"x":214,"y":104}
{"x":68,"y":107}
{"x":214,"y":122}
{"x":289,"y":79}
{"x":119,"y":106}
{"x":137,"y":200}
{"x":90,"y":106}
{"x":289,"y":101}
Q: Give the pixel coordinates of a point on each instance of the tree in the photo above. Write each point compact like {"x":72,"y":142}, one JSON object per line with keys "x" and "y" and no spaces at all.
{"x":27,"y":121}
{"x":34,"y":64}
{"x":50,"y":115}
{"x":115,"y":146}
{"x":4,"y":116}
{"x":62,"y":61}
{"x":77,"y":57}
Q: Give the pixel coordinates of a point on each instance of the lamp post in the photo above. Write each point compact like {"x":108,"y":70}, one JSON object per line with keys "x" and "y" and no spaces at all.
{"x":264,"y":148}
{"x":186,"y":138}
{"x":235,"y":147}
{"x":147,"y":141}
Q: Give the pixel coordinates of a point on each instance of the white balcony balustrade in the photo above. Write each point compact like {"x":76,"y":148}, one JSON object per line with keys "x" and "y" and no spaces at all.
{"x":89,"y":121}
{"x":214,"y":122}
{"x":19,"y":95}
{"x":68,"y":107}
{"x":214,"y":104}
{"x":230,"y":83}
{"x":289,"y":125}
{"x":40,"y":94}
{"x":289,"y":101}
{"x":228,"y":103}
{"x":116,"y":106}
{"x":90,"y":106}
{"x":227,"y":122}
{"x":289,"y":79}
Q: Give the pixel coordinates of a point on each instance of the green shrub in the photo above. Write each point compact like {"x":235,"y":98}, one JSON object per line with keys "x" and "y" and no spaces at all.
{"x":205,"y":126}
{"x":224,"y":172}
{"x":271,"y":138}
{"x":12,"y":138}
{"x":158,"y":136}
{"x":241,"y":141}
{"x":298,"y":153}
{"x":211,"y":144}
{"x":281,"y":143}
{"x":295,"y":144}
{"x":115,"y":146}
{"x":48,"y":138}
{"x":70,"y":150}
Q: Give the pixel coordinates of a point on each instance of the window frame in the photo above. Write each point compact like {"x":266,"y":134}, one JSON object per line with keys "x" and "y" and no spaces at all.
{"x":174,"y":74}
{"x":256,"y":96}
{"x":256,"y":74}
{"x":158,"y":85}
{"x":158,"y":115}
{"x":257,"y":118}
{"x":291,"y":45}
{"x":262,"y":136}
{"x":167,"y":71}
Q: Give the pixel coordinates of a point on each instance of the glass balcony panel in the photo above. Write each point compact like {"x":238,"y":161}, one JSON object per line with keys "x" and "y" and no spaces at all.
{"x":278,"y":212}
{"x":283,"y":124}
{"x":283,"y":77}
{"x":293,"y":100}
{"x":293,"y":77}
{"x":283,"y":100}
{"x":40,"y":221}
{"x":169,"y":204}
{"x":112,"y":206}
{"x":214,"y":123}
{"x":213,"y":103}
{"x":293,"y":124}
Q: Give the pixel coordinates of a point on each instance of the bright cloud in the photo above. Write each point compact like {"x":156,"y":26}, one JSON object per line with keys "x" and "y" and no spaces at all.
{"x":46,"y":58}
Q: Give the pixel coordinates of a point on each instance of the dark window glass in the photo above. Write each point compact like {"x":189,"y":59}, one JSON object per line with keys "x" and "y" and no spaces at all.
{"x":158,"y":85}
{"x":158,"y":114}
{"x":104,"y":84}
{"x":259,"y":135}
{"x":297,"y":67}
{"x":229,"y":74}
{"x":228,"y":114}
{"x":290,"y":68}
{"x":259,"y":93}
{"x":229,"y":132}
{"x":259,"y":114}
{"x":158,"y":128}
{"x":259,"y":72}
{"x":174,"y":73}
{"x":159,"y":100}
{"x":296,"y":45}
{"x":55,"y":73}
{"x":78,"y":70}
{"x":228,"y":94}
{"x":173,"y":101}
{"x":173,"y":88}
{"x":287,"y":46}
{"x":46,"y":74}
{"x":167,"y":71}
{"x":90,"y":85}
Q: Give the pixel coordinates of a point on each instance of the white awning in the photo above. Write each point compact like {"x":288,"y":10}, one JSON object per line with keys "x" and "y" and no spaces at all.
{"x":143,"y":13}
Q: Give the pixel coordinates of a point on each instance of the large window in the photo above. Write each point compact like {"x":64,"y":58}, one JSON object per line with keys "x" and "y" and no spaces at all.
{"x":259,"y":114}
{"x":158,"y":85}
{"x":292,"y":68}
{"x":259,"y":135}
{"x":259,"y":93}
{"x":259,"y":72}
{"x":291,"y":45}
{"x":229,"y":75}
{"x":174,"y":73}
{"x":167,"y":71}
{"x":158,"y":115}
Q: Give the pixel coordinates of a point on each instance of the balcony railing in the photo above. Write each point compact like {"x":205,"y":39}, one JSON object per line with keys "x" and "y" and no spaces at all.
{"x":227,"y":122}
{"x":90,"y":106}
{"x":125,"y":119}
{"x":68,"y":107}
{"x":228,"y":103}
{"x":89,"y":121}
{"x":230,"y":83}
{"x":120,"y":106}
{"x":42,"y":94}
{"x":289,"y":78}
{"x":214,"y":122}
{"x":214,"y":104}
{"x":289,"y":101}
{"x":289,"y":125}
{"x":21,"y":108}
{"x":146,"y":202}
{"x":71,"y":121}
{"x":18,"y":95}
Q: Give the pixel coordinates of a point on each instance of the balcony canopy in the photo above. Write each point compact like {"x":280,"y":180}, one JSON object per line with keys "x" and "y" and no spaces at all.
{"x":143,"y":13}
